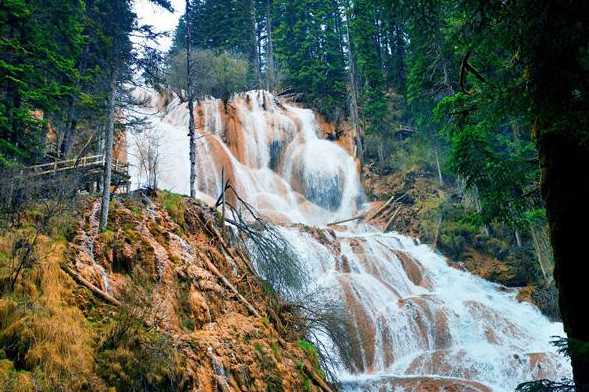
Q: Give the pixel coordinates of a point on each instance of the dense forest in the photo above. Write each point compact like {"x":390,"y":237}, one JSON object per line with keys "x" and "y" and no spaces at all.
{"x":490,"y":99}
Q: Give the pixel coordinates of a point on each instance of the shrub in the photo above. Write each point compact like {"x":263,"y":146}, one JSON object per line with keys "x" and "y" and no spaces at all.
{"x":218,"y":75}
{"x":174,"y":205}
{"x":134,"y":355}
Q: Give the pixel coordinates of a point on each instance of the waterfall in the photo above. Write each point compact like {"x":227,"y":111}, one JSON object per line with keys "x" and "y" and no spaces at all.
{"x":412,"y":322}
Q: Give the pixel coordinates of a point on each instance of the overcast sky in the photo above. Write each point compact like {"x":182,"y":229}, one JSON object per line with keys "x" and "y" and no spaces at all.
{"x":162,"y":20}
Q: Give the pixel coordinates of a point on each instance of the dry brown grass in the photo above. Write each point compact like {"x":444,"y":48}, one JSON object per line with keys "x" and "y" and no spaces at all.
{"x":44,"y":335}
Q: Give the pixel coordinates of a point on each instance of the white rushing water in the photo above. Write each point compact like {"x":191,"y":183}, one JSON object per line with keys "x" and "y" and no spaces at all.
{"x":412,"y":321}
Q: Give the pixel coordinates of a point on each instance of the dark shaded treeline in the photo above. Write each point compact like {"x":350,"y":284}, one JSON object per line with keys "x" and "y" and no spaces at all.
{"x":60,"y":61}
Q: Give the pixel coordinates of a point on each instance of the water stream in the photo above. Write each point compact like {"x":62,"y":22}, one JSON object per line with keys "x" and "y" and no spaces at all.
{"x":413,"y":320}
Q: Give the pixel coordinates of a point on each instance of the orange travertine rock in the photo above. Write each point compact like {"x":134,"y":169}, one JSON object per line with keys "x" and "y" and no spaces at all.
{"x":220,"y":340}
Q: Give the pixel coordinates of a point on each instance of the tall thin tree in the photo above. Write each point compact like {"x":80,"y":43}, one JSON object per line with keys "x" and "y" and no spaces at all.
{"x":121,"y":22}
{"x":108,"y":146}
{"x":191,"y":125}
{"x":269,"y":48}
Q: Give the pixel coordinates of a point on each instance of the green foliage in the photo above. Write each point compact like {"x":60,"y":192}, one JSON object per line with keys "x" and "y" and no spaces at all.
{"x":41,"y":41}
{"x":488,"y":153}
{"x":312,"y":355}
{"x":219,"y":75}
{"x":365,"y":31}
{"x":224,"y":26}
{"x":58,"y":59}
{"x":309,"y":52}
{"x":546,"y":386}
{"x":309,"y":349}
{"x":267,"y":360}
{"x":174,"y":204}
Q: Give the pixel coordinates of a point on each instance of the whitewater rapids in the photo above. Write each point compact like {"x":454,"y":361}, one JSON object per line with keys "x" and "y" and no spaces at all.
{"x":414,"y":323}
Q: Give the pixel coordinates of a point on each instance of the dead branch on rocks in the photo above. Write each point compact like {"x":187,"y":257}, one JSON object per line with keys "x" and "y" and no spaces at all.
{"x":227,"y":250}
{"x":230,"y":286}
{"x":316,"y":378}
{"x":391,"y":219}
{"x":220,"y":377}
{"x":387,"y":211}
{"x":391,"y":202}
{"x":323,"y":316}
{"x":359,"y":217}
{"x":95,"y":290}
{"x":273,"y":258}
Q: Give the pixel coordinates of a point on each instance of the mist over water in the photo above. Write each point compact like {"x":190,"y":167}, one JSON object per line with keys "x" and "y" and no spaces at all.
{"x":413,"y":321}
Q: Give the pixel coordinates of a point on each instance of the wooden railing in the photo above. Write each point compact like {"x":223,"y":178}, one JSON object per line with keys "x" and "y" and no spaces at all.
{"x":406,"y":128}
{"x":71,"y":164}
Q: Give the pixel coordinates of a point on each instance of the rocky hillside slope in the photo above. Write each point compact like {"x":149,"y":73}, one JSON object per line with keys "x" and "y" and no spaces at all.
{"x":413,"y":202}
{"x":160,"y":301}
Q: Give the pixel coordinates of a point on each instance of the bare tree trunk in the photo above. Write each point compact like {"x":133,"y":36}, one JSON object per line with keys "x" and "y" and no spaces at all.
{"x":353,"y":91}
{"x":191,"y":125}
{"x":437,"y":232}
{"x":108,"y":145}
{"x":68,"y":135}
{"x":269,"y":48}
{"x":72,"y":122}
{"x":541,"y":241}
{"x":255,"y":54}
{"x":437,"y":155}
{"x":381,"y":158}
{"x":518,"y":239}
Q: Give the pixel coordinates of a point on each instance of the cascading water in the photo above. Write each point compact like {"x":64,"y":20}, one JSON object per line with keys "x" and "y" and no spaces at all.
{"x":414,"y":323}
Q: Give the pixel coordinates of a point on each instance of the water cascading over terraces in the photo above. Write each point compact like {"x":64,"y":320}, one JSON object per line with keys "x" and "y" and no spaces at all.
{"x":414,"y":323}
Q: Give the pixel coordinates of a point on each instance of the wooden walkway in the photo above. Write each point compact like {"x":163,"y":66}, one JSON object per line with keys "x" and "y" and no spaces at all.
{"x":89,"y":169}
{"x":86,"y":162}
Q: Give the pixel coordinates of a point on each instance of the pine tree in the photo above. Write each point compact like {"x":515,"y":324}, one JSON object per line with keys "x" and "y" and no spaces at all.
{"x":40,"y":43}
{"x":309,"y":52}
{"x":118,"y":23}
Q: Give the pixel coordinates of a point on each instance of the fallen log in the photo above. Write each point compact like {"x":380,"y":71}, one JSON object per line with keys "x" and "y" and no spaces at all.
{"x":220,"y":377}
{"x":370,"y":217}
{"x":95,"y":290}
{"x":390,"y":221}
{"x":347,"y":220}
{"x":228,"y":284}
{"x":228,"y":250}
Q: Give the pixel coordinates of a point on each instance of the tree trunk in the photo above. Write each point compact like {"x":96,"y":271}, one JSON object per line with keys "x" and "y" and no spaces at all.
{"x":543,"y":250}
{"x":354,"y":110}
{"x":72,"y":118}
{"x":564,"y":161}
{"x":381,"y":157}
{"x":191,"y":125}
{"x":439,"y":167}
{"x":68,"y":135}
{"x":560,"y":92}
{"x":518,"y":240}
{"x":269,"y":48}
{"x":108,"y":145}
{"x":254,"y":56}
